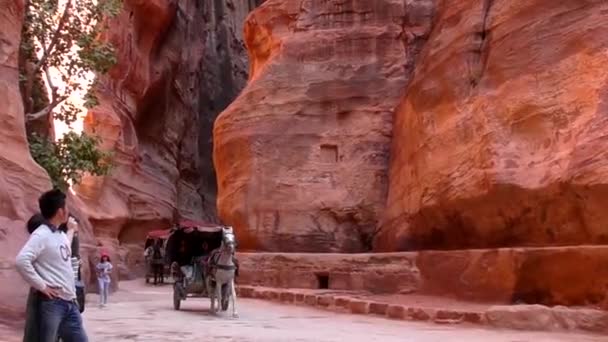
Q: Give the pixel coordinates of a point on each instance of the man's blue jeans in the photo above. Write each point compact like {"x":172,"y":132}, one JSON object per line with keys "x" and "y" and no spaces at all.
{"x":61,"y":318}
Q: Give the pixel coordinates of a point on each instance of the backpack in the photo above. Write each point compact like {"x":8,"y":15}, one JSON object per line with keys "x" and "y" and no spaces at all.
{"x":80,"y":298}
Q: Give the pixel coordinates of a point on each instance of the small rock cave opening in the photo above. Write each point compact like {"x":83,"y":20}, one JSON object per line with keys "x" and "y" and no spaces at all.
{"x":322,"y":280}
{"x":329,"y":153}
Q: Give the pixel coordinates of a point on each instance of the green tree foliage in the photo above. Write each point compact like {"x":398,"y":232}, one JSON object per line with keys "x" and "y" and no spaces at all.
{"x":69,"y":157}
{"x":64,"y":36}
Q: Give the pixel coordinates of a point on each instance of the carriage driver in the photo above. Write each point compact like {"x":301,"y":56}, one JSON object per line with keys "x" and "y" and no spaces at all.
{"x":204,"y":259}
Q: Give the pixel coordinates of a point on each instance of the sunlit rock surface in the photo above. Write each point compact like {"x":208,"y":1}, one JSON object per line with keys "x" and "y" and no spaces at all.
{"x":500,"y":139}
{"x":302,"y":154}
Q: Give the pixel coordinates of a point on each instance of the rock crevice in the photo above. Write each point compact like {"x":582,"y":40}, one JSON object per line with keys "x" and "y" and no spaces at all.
{"x":179,"y":64}
{"x":481,"y":51}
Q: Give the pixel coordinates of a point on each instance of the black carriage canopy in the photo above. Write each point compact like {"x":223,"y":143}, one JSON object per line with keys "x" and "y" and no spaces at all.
{"x":187,"y":242}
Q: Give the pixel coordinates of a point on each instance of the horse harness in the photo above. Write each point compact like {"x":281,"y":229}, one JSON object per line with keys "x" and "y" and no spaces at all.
{"x":214,"y":259}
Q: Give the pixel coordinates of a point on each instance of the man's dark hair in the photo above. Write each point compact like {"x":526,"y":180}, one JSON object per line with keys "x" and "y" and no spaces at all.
{"x":34,"y":222}
{"x":50,"y":202}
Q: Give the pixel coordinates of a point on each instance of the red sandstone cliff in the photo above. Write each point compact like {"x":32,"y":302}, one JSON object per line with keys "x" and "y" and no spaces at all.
{"x":497,"y":136}
{"x":21,"y":179}
{"x":179,"y":64}
{"x":497,"y":139}
{"x":500,"y":138}
{"x":302,"y":154}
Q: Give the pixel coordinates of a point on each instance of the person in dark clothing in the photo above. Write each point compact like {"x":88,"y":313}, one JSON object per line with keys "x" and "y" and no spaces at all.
{"x":76,"y":263}
{"x":183,"y":257}
{"x":158,"y":262}
{"x":31,"y":319}
{"x":34,"y":222}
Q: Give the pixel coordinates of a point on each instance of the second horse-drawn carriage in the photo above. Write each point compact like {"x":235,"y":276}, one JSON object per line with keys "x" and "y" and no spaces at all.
{"x":203,"y":264}
{"x":156,"y":262}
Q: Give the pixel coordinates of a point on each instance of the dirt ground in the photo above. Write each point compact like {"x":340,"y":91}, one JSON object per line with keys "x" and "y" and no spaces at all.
{"x":145,"y":313}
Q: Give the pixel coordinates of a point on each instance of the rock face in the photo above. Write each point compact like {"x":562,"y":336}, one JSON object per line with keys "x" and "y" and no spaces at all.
{"x":500,"y":138}
{"x":179,"y":64}
{"x":224,"y":71}
{"x":302,"y":154}
{"x":172,"y":75}
{"x":21,"y":179}
{"x":550,"y":276}
{"x":147,"y":112}
{"x":379,"y":273}
{"x":497,"y":140}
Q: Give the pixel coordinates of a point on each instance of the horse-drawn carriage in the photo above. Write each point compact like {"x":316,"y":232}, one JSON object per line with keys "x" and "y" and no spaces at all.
{"x":203,"y":263}
{"x":154,"y":237}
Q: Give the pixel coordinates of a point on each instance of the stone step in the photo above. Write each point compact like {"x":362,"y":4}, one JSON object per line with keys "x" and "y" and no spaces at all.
{"x":575,"y":275}
{"x":439,"y":310}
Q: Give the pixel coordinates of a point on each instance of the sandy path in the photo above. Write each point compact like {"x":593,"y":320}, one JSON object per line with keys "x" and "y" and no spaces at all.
{"x":145,"y":313}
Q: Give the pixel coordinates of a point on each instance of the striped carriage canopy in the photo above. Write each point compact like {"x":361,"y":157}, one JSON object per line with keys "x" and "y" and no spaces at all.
{"x":159,"y":234}
{"x":188,"y":226}
{"x":162,"y":234}
{"x":201,"y":226}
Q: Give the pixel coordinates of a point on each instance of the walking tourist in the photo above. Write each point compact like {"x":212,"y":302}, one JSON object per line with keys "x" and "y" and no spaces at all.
{"x":44,"y":262}
{"x":148,"y":260}
{"x":70,"y":229}
{"x":158,"y":262}
{"x":104,"y":269}
{"x":76,"y":267}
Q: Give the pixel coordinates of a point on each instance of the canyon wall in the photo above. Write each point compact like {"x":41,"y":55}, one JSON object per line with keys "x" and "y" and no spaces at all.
{"x":21,"y":179}
{"x":494,"y":116}
{"x":224,"y":74}
{"x":379,"y":125}
{"x":179,"y":64}
{"x":302,"y":154}
{"x":500,"y":139}
{"x":492,"y":113}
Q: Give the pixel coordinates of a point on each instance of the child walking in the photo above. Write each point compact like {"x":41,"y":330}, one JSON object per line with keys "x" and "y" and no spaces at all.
{"x":104,"y":269}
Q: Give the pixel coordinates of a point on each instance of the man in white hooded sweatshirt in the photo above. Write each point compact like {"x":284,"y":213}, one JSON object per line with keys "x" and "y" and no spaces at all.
{"x":45,"y":263}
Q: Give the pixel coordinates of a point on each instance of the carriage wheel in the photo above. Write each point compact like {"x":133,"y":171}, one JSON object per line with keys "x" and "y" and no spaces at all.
{"x":177,"y":297}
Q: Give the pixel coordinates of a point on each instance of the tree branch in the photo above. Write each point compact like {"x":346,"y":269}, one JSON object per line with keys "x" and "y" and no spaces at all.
{"x":46,"y":110}
{"x":33,"y":70}
{"x":49,"y":49}
{"x":49,"y":81}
